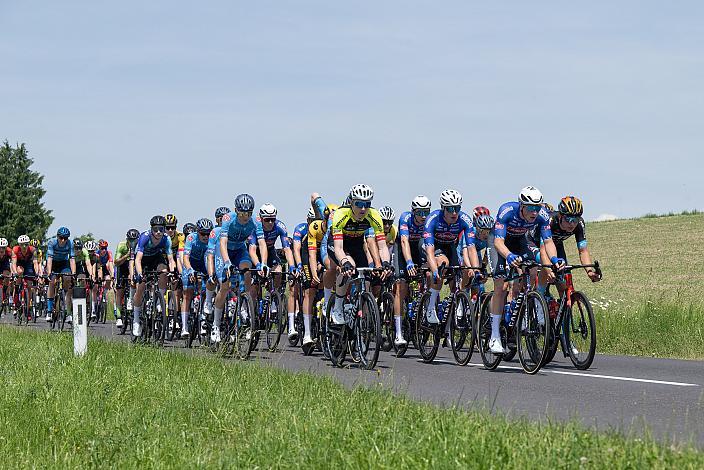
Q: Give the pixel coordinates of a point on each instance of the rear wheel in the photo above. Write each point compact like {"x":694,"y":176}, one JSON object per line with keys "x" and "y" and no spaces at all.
{"x":336,"y":336}
{"x":386,"y":313}
{"x":172,"y":315}
{"x":62,"y":310}
{"x":427,"y":334}
{"x":533,"y":332}
{"x":462,"y":329}
{"x":245,"y":321}
{"x":272,"y":321}
{"x":579,"y":327}
{"x":159,"y":320}
{"x":368,"y":331}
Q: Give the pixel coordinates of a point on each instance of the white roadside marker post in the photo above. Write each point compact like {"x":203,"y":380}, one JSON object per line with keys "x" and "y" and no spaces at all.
{"x":80,"y":326}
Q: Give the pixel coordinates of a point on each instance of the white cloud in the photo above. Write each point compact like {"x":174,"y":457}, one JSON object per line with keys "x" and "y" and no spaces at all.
{"x":605,"y":217}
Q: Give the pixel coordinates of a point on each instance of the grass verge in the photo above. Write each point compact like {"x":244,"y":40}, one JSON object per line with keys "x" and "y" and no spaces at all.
{"x":139,"y":407}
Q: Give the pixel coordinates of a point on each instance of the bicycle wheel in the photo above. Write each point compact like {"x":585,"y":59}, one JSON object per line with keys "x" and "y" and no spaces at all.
{"x":483,"y":331}
{"x":368,"y":335}
{"x":281,"y":318}
{"x":462,"y":329}
{"x":386,"y":312}
{"x":103,"y":315}
{"x":580,"y":332}
{"x":159,"y":319}
{"x":172,"y":325}
{"x":427,"y":334}
{"x":533,"y":332}
{"x":272,"y":320}
{"x":126,"y":317}
{"x":245,"y":321}
{"x":62,"y":310}
{"x":336,"y":336}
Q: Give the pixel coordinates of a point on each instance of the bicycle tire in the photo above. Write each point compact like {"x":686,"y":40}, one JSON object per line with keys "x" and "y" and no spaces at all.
{"x":386,"y":312}
{"x":584,"y":326}
{"x":368,"y":334}
{"x":272,"y":321}
{"x":245,"y":326}
{"x":171,"y":314}
{"x":126,"y":318}
{"x":104,"y":307}
{"x":483,"y":331}
{"x":462,"y":335}
{"x":159,"y":320}
{"x":426,"y":332}
{"x":62,"y":309}
{"x":282,"y":318}
{"x":533,"y":351}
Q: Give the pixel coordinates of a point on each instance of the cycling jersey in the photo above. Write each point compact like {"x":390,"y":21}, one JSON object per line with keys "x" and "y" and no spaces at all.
{"x":59,"y":252}
{"x":315,"y":234}
{"x":146,"y":246}
{"x":345,"y":226}
{"x":195,"y":249}
{"x":123,"y":248}
{"x":559,"y":235}
{"x":214,"y":242}
{"x":300,"y":231}
{"x":105,"y":258}
{"x":177,"y":243}
{"x":391,"y":235}
{"x":510,"y":224}
{"x":278,"y":231}
{"x":407,"y":227}
{"x":437,"y":229}
{"x":23,"y":257}
{"x":237,"y":234}
{"x":479,"y":245}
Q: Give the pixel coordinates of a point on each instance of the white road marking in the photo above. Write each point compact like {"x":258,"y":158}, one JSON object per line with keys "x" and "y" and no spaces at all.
{"x":582,"y":374}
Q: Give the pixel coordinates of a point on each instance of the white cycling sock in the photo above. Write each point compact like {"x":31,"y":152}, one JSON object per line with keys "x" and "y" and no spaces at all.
{"x":132,"y":289}
{"x":306,"y":323}
{"x":326,"y":294}
{"x":397,"y":322}
{"x":184,"y":321}
{"x":291,"y":318}
{"x":137,"y":312}
{"x":163,"y":292}
{"x":433,"y":299}
{"x":495,"y":324}
{"x":209,"y":297}
{"x":339,"y":302}
{"x":218,"y":316}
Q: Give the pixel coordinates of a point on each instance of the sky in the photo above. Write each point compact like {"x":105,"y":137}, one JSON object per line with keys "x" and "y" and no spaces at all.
{"x":131,"y":109}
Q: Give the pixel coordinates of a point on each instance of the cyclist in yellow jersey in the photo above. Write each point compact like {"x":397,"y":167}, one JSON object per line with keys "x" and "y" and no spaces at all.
{"x":346,"y":249}
{"x":178,"y":242}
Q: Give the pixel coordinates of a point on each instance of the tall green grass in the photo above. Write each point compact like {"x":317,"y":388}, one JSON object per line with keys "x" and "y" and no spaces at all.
{"x":123,"y":406}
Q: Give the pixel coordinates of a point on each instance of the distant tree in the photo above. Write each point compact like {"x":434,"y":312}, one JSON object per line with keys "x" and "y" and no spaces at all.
{"x":21,"y":193}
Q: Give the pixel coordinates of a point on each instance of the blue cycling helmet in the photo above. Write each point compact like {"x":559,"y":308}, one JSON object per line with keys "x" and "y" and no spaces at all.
{"x":204,"y":225}
{"x":63,"y":232}
{"x":244,"y":203}
{"x":221,"y":211}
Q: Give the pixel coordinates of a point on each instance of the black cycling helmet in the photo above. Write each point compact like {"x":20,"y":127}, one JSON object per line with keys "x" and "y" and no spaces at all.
{"x":244,"y":203}
{"x":204,"y":225}
{"x":188,"y":228}
{"x":221,"y":211}
{"x":157,"y":220}
{"x":77,"y":244}
{"x":132,"y":234}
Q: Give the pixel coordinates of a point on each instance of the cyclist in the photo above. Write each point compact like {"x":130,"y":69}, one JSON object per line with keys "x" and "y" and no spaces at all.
{"x":152,"y":246}
{"x":194,"y":259}
{"x":40,"y":256}
{"x":346,"y":250}
{"x":262,"y":251}
{"x":177,"y":245}
{"x":483,"y":227}
{"x":6,"y":268}
{"x":104,"y":265}
{"x":24,"y":263}
{"x":564,"y":223}
{"x":407,"y":255}
{"x":441,"y":236}
{"x":124,"y":271}
{"x":60,"y":259}
{"x":230,"y":249}
{"x":509,"y":245}
{"x":300,"y":233}
{"x":84,"y":267}
{"x":91,"y":259}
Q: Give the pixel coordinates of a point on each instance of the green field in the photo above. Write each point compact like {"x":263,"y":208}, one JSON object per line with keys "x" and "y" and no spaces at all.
{"x":124,"y":406}
{"x":648,"y":302}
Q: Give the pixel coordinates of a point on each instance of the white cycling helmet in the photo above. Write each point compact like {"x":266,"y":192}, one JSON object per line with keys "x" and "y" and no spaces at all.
{"x":267,"y":210}
{"x":90,"y":245}
{"x":420,"y":202}
{"x":361,"y":192}
{"x":311,"y":213}
{"x":530,"y":195}
{"x":23,"y":239}
{"x":450,"y":197}
{"x":387,"y":213}
{"x":3,"y":242}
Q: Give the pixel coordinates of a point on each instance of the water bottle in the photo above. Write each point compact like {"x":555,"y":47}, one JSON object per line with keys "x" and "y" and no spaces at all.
{"x":353,"y":289}
{"x":409,"y":310}
{"x":260,"y":307}
{"x":231,"y":304}
{"x":441,"y":310}
{"x":507,"y":313}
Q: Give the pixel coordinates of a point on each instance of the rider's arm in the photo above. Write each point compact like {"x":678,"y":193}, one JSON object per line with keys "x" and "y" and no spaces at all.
{"x":138,"y":262}
{"x":13,"y":263}
{"x":252,"y":248}
{"x":263,"y":250}
{"x":223,"y":247}
{"x":172,"y":263}
{"x":297,"y":252}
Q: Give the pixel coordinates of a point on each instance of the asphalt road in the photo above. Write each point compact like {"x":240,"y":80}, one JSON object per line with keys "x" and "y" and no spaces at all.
{"x":631,"y":395}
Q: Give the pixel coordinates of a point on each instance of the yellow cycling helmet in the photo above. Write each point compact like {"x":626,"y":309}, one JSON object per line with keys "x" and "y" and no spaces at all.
{"x":548,"y":207}
{"x":570,"y":206}
{"x":171,"y":220}
{"x":34,"y":242}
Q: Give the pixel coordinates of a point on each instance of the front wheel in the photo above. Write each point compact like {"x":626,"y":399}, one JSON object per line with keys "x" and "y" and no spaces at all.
{"x":427,"y":334}
{"x":579,"y":328}
{"x":335,"y":337}
{"x":386,"y":312}
{"x":533,"y":332}
{"x":272,"y":321}
{"x":245,"y":320}
{"x":483,"y":332}
{"x":462,"y":329}
{"x":368,"y":331}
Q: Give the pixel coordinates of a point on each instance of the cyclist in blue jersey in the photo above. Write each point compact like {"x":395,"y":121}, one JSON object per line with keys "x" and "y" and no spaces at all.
{"x":407,"y":255}
{"x":510,"y":247}
{"x":60,"y":260}
{"x":152,"y":247}
{"x":483,"y":227}
{"x":440,"y":239}
{"x":299,"y":234}
{"x":194,"y":259}
{"x":231,"y":251}
{"x":272,"y":229}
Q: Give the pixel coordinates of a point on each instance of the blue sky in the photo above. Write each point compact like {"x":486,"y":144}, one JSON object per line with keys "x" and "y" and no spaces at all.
{"x":152,"y":107}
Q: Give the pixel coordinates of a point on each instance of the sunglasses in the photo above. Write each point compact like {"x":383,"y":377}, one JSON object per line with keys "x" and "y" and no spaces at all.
{"x":158,"y":229}
{"x":422,"y":213}
{"x":170,"y":227}
{"x":533,"y":207}
{"x":269,"y":220}
{"x":571,"y":219}
{"x":453,"y":209}
{"x":62,"y":238}
{"x":204,"y":233}
{"x":245,"y":212}
{"x":363,"y":204}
